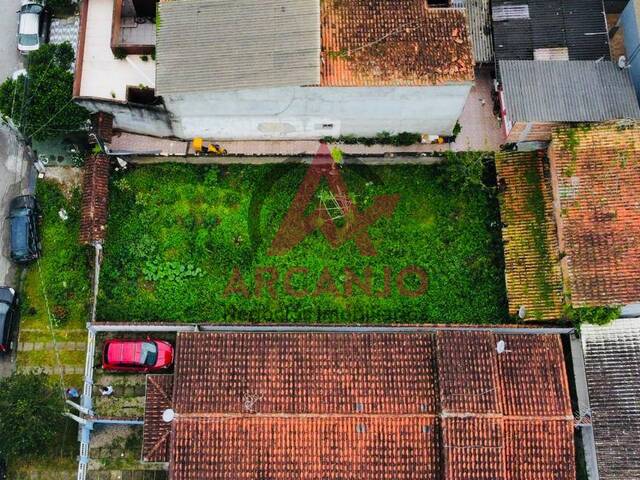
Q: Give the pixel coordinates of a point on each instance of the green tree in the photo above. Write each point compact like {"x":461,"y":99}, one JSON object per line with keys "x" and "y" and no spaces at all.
{"x":40,"y":104}
{"x":30,"y":415}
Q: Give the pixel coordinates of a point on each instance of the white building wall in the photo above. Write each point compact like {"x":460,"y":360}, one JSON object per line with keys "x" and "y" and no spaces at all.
{"x":315,"y":112}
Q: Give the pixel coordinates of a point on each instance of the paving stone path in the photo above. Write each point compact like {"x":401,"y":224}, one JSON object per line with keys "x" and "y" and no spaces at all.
{"x":127,"y":475}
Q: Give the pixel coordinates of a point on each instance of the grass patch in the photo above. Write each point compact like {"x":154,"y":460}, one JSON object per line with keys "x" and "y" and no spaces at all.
{"x":63,"y":268}
{"x":176,"y":233}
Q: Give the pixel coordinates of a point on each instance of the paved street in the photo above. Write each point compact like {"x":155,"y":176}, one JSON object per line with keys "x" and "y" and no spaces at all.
{"x":10,"y":59}
{"x":13,"y":181}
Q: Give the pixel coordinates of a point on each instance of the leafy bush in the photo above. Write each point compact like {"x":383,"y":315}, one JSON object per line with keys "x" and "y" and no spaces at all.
{"x":30,"y":415}
{"x":382,"y":138}
{"x":45,"y":108}
{"x":61,"y":8}
{"x":120,"y":53}
{"x":178,"y":234}
{"x":593,"y":315}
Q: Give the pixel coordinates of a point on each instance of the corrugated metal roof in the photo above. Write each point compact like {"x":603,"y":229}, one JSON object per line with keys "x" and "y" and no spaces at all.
{"x":574,"y":91}
{"x":221,"y":44}
{"x":479,"y":19}
{"x":578,"y":25}
{"x":612,"y":363}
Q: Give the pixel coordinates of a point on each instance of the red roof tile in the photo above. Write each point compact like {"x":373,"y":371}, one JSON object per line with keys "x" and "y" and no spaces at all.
{"x":318,"y":448}
{"x":539,"y":449}
{"x":534,"y":380}
{"x":393,"y":42}
{"x":468,"y":372}
{"x":532,"y":258}
{"x":306,"y":373}
{"x":596,"y":181}
{"x":287,"y":406}
{"x":155,"y":441}
{"x":473,"y":448}
{"x":95,"y":196}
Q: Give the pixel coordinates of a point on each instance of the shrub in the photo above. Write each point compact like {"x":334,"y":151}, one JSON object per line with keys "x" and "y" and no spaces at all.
{"x":592,"y":315}
{"x":30,"y":415}
{"x":120,"y":53}
{"x":45,"y":108}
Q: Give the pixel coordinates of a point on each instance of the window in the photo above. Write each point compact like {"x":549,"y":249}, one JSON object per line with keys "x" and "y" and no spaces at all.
{"x":148,"y":354}
{"x":142,"y":95}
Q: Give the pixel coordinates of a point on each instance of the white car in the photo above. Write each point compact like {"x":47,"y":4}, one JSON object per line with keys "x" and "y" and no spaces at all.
{"x":33,"y":25}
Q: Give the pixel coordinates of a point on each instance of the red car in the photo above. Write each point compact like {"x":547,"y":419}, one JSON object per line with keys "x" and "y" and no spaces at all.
{"x":136,"y":355}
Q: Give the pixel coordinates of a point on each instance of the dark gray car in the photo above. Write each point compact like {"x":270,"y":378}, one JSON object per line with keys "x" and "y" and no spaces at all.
{"x":24,"y":214}
{"x":8,"y":318}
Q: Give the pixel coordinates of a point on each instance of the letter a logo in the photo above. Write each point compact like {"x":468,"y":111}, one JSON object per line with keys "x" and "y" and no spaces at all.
{"x":296,"y":225}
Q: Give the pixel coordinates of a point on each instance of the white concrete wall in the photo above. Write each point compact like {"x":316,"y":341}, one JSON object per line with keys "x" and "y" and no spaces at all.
{"x":315,"y":112}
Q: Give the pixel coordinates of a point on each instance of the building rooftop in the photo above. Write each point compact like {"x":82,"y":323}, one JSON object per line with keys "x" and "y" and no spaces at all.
{"x":532,"y":258}
{"x":98,"y":73}
{"x":309,"y":43}
{"x":395,"y":42}
{"x":479,"y":20}
{"x":612,"y":362}
{"x":522,"y":27}
{"x":596,"y":180}
{"x":216,"y":44}
{"x":364,"y":405}
{"x":95,"y":197}
{"x":567,"y":91}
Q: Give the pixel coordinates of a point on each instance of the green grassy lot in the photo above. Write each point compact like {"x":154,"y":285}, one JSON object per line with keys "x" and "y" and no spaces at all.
{"x":176,"y":233}
{"x":61,"y":276}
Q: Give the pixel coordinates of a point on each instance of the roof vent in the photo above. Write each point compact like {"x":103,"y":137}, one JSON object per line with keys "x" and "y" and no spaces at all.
{"x":168,"y":415}
{"x":501,"y":347}
{"x":361,"y":428}
{"x":359,"y":407}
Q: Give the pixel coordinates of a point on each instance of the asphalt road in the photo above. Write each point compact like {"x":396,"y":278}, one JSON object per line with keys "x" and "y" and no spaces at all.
{"x":10,"y":59}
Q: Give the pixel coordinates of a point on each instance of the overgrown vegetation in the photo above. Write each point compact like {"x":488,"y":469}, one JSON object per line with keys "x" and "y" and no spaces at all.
{"x":592,"y":315}
{"x":120,"y":53}
{"x":41,"y":104}
{"x":62,"y":8}
{"x":30,"y":416}
{"x":63,"y":268}
{"x":537,"y":206}
{"x":382,"y":138}
{"x":177,"y":234}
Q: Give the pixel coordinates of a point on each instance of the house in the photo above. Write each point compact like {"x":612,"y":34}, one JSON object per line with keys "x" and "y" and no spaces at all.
{"x":571,"y":221}
{"x":612,"y":362}
{"x":543,"y":30}
{"x":532,"y":269}
{"x":595,"y":176}
{"x":438,"y":404}
{"x":271,"y":69}
{"x":536,"y":96}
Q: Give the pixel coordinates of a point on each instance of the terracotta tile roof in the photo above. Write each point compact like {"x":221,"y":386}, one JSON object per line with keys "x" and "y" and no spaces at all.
{"x":95,"y":193}
{"x":539,"y":449}
{"x":393,"y":42}
{"x":320,"y":406}
{"x":532,"y":266}
{"x":467,"y":365}
{"x":331,"y":373}
{"x":310,"y":448}
{"x":534,"y":381}
{"x":596,"y":181}
{"x":155,"y":441}
{"x":473,"y":448}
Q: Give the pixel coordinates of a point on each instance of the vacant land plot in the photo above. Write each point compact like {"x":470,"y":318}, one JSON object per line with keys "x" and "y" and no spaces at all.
{"x":192,"y":243}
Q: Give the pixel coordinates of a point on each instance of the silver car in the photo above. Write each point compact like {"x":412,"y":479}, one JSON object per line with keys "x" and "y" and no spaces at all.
{"x":33,"y":25}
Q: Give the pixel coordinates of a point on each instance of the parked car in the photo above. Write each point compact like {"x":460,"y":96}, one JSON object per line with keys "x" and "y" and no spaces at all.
{"x":136,"y":355}
{"x":34,"y":21}
{"x":24,"y":214}
{"x":8,"y":318}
